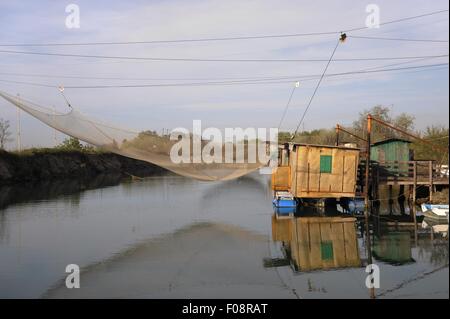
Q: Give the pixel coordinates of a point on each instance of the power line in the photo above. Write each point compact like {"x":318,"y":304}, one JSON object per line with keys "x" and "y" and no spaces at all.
{"x":317,"y":87}
{"x":117,"y":78}
{"x":172,"y":41}
{"x":287,"y":105}
{"x":401,"y":20}
{"x":264,"y":36}
{"x":215,"y":60}
{"x":235,"y":82}
{"x":397,"y":39}
{"x":387,"y":70}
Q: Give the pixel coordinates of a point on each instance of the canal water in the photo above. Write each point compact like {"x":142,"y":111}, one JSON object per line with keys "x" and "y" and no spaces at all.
{"x":173,"y":237}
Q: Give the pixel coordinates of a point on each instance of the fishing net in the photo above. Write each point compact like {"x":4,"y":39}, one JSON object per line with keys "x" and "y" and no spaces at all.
{"x":153,"y":148}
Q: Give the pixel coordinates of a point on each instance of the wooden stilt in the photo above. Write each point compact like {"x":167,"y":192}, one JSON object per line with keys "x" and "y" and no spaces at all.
{"x":430,"y":168}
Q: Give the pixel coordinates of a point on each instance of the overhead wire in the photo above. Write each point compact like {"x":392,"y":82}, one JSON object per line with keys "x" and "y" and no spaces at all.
{"x":397,"y":39}
{"x":230,"y":38}
{"x":213,"y":60}
{"x":287,"y":106}
{"x":248,"y":78}
{"x":317,"y":86}
{"x":274,"y":80}
{"x":266,"y":77}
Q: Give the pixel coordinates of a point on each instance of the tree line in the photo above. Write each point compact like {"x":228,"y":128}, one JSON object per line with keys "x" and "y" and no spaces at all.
{"x":438,"y":135}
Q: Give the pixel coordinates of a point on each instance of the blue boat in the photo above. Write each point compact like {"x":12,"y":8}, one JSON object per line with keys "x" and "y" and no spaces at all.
{"x":283,"y":211}
{"x":284,"y":200}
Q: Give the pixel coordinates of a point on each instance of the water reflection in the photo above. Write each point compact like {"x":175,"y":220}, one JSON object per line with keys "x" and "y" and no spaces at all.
{"x":324,"y":239}
{"x":175,"y":237}
{"x":45,"y":190}
{"x":321,"y":239}
{"x":393,"y":248}
{"x":314,"y":243}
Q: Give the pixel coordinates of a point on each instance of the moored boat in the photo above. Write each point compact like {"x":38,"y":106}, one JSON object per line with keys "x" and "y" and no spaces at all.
{"x":435,"y":214}
{"x":284,"y":200}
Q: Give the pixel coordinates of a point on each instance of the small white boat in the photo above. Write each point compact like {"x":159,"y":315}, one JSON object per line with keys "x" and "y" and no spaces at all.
{"x":437,"y":214}
{"x":440,"y":210}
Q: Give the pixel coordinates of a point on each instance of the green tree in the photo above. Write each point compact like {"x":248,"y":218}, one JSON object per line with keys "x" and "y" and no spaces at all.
{"x":404,"y":121}
{"x":72,"y":144}
{"x":379,"y":132}
{"x":320,"y":136}
{"x":438,"y":136}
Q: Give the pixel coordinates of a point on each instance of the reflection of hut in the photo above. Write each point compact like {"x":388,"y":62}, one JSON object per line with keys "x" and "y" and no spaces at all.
{"x":281,"y":228}
{"x":317,"y":171}
{"x":319,"y":242}
{"x":393,"y":248}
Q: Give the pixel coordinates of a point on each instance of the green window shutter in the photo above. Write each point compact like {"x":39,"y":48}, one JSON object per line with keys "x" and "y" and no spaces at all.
{"x":325,"y":163}
{"x":326,"y":248}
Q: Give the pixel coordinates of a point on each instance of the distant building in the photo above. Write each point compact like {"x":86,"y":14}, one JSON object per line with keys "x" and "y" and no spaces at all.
{"x":392,"y":150}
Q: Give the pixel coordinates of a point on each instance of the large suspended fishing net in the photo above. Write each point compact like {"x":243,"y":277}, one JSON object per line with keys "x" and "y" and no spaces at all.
{"x":189,"y":155}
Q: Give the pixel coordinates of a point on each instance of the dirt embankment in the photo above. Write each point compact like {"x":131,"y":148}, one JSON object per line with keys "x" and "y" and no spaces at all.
{"x":41,"y":166}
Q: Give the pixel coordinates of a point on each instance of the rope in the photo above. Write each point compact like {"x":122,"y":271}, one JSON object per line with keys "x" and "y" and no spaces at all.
{"x":287,"y":106}
{"x":316,"y":89}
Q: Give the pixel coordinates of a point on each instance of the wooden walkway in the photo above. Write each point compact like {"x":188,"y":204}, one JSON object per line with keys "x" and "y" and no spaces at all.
{"x":407,"y":173}
{"x":410,"y":173}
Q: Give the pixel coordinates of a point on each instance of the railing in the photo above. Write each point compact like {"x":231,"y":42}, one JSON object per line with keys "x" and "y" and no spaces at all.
{"x":423,"y":171}
{"x":402,"y":172}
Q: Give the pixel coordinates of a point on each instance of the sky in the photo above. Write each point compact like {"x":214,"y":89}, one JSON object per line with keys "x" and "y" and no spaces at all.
{"x":420,"y":92}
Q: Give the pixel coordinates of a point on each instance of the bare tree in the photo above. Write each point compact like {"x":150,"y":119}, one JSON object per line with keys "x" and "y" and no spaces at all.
{"x":4,"y":133}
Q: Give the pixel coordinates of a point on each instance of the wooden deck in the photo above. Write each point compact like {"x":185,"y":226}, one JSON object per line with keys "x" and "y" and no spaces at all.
{"x":403,"y":173}
{"x":442,"y":181}
{"x":410,"y":173}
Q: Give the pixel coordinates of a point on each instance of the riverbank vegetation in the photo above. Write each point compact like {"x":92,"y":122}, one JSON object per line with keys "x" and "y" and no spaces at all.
{"x":437,"y":135}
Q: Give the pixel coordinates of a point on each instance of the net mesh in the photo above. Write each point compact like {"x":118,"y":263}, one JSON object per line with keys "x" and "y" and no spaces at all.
{"x":145,"y":146}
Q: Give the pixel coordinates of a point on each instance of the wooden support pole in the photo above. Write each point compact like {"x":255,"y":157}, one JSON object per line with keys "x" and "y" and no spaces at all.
{"x":337,"y":134}
{"x":414,"y":182}
{"x":390,"y":200}
{"x":414,"y":201}
{"x":367,"y":173}
{"x":430,"y":168}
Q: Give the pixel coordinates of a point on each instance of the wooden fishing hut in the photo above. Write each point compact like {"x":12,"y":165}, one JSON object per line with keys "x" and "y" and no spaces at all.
{"x":317,"y":171}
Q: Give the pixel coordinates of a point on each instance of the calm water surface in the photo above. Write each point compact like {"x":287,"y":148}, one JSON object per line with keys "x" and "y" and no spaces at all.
{"x":172,"y":237}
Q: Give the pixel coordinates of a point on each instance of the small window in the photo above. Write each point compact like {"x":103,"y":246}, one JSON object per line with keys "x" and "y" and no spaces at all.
{"x":325,"y":163}
{"x":326,"y":248}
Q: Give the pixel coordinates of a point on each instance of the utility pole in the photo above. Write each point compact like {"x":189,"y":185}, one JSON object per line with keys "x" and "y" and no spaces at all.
{"x":19,"y":140}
